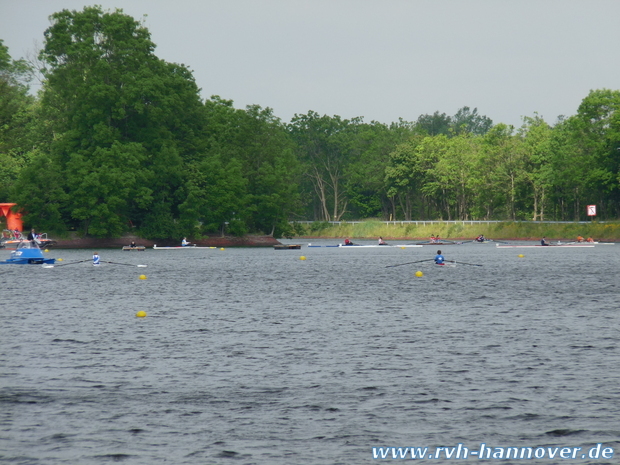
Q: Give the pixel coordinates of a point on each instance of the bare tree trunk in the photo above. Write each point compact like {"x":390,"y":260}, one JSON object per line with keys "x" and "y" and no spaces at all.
{"x":319,"y":188}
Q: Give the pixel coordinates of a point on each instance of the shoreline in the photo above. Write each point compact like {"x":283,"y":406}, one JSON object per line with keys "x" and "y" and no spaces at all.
{"x":119,"y":242}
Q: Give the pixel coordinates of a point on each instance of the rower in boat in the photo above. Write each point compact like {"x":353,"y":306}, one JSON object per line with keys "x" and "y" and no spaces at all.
{"x":589,"y":239}
{"x":480,"y":238}
{"x":96,"y":259}
{"x":579,"y":238}
{"x":381,"y":241}
{"x":347,"y":241}
{"x":184,"y":242}
{"x":543,"y":241}
{"x":439,"y":259}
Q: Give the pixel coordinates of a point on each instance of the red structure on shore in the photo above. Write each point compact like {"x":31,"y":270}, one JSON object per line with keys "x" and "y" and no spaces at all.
{"x":13,"y":220}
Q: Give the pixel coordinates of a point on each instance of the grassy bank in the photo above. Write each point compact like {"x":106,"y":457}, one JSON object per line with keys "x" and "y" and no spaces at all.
{"x":460,"y":231}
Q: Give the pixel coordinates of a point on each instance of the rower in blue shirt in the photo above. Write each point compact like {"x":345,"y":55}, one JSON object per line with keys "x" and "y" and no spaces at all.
{"x":439,"y":258}
{"x":95,"y":258}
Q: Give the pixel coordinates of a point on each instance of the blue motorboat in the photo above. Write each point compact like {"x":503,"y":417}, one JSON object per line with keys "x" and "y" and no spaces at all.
{"x":27,"y":253}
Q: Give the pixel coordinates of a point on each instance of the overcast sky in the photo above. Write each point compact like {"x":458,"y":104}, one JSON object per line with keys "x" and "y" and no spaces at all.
{"x":380,"y":59}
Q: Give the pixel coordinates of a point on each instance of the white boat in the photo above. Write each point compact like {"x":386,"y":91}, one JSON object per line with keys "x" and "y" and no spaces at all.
{"x":516,"y":246}
{"x":387,"y":246}
{"x":179,"y":247}
{"x":587,"y":243}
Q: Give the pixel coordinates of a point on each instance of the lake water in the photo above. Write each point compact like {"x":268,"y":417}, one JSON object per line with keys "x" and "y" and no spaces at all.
{"x":254,"y":356}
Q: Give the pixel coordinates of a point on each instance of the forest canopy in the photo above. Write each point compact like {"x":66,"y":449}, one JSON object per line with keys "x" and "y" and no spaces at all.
{"x":120,"y":140}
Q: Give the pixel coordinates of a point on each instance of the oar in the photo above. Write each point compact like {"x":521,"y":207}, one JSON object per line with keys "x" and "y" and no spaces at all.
{"x":126,"y":264}
{"x":409,"y":263}
{"x":47,"y":265}
{"x":462,"y":263}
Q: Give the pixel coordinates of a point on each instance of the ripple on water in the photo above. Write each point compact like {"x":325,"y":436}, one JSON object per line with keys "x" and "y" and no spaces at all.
{"x":254,"y":356}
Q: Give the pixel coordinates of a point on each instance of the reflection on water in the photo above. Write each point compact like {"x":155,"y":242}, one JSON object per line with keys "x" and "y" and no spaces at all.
{"x":258,"y":356}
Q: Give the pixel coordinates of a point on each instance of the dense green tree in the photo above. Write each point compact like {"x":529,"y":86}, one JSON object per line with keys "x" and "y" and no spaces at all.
{"x":365,"y":175}
{"x":535,"y":136}
{"x":596,"y":130}
{"x":404,"y":178}
{"x":466,"y":120}
{"x":126,"y":122}
{"x":17,"y":109}
{"x":254,"y":149}
{"x":435,"y":124}
{"x":271,"y":169}
{"x":324,"y":150}
{"x":505,"y":167}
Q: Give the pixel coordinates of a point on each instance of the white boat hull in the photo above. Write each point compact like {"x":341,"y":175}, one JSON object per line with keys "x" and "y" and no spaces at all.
{"x":550,"y":246}
{"x":180,"y":247}
{"x":398,"y":246}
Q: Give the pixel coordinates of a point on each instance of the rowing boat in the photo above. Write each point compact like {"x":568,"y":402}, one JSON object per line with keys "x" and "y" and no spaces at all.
{"x":438,"y":243}
{"x":587,"y":243}
{"x":360,"y":246}
{"x":386,"y":246}
{"x":178,"y":247}
{"x":511,"y":246}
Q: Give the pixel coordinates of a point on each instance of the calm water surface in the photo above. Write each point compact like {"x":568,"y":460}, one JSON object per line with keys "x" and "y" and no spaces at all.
{"x":253,"y":356}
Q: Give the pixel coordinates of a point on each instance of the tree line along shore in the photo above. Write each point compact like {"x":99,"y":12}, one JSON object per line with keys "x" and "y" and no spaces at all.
{"x":120,"y":141}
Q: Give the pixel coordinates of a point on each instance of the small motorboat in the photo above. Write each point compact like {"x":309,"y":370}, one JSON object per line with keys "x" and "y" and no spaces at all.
{"x":27,"y":253}
{"x":11,"y":239}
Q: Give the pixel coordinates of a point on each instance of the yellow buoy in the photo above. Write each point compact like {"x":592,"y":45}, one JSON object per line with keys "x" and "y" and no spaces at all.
{"x":222,"y":248}
{"x":302,"y":258}
{"x":419,"y":274}
{"x":142,"y":276}
{"x":403,"y":248}
{"x":521,"y":255}
{"x":46,"y":250}
{"x":59,"y":259}
{"x":141,"y":314}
